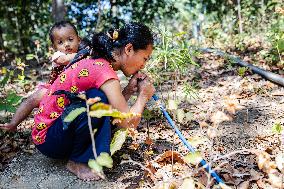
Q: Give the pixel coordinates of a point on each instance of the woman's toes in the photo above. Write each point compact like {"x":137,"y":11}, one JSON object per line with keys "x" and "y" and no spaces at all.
{"x":82,"y":171}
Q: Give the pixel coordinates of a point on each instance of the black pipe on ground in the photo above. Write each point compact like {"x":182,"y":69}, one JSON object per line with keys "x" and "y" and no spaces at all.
{"x":275,"y":78}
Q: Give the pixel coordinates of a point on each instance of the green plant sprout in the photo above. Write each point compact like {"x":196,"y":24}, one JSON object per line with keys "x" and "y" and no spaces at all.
{"x":242,"y":71}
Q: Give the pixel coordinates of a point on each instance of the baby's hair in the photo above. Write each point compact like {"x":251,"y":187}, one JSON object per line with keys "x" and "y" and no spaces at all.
{"x":59,"y":25}
{"x":139,"y":35}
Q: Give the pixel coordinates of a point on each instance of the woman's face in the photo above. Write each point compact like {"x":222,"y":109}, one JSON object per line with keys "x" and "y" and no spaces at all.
{"x":133,"y":61}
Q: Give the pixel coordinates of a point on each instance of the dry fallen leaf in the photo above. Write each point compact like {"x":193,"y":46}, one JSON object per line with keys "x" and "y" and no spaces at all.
{"x":148,"y":141}
{"x":232,"y":106}
{"x":212,"y":132}
{"x":260,"y":184}
{"x":243,"y":185}
{"x":134,"y":146}
{"x":166,"y":158}
{"x":265,"y":164}
{"x":275,"y":180}
{"x":279,"y":159}
{"x":219,"y":117}
{"x":187,"y":183}
{"x":203,"y":124}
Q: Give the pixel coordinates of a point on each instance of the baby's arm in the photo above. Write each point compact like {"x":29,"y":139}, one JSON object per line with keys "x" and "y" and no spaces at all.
{"x":64,"y":59}
{"x":24,"y":110}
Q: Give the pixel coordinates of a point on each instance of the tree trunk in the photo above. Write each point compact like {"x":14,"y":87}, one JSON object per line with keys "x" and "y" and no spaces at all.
{"x":58,"y":10}
{"x":240,"y":17}
{"x":1,"y":39}
{"x":114,"y":14}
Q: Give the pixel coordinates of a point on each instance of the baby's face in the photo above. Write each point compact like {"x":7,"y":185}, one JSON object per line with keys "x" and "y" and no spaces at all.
{"x":66,"y":40}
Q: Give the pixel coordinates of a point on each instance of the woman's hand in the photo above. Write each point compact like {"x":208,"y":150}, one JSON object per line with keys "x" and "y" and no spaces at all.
{"x":8,"y":127}
{"x":146,"y":88}
{"x":132,"y":86}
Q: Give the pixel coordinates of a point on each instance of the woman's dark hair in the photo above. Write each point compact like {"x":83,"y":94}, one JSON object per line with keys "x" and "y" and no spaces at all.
{"x":59,"y":25}
{"x":139,"y":35}
{"x":85,"y":42}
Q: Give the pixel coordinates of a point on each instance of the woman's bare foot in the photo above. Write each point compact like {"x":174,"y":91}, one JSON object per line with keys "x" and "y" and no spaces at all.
{"x":82,"y":171}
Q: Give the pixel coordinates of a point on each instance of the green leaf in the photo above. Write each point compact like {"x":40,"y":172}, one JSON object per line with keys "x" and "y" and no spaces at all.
{"x":280,"y":45}
{"x":30,"y":56}
{"x":147,"y":114}
{"x":118,"y":140}
{"x":6,"y":79}
{"x":13,"y":98}
{"x":3,"y":106}
{"x":21,"y":77}
{"x":193,"y":158}
{"x":74,"y":113}
{"x":105,"y":160}
{"x":277,"y":128}
{"x":93,"y":164}
{"x":7,"y":107}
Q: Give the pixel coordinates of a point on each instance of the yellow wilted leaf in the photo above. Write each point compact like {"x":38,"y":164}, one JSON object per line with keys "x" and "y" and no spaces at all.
{"x":180,"y":115}
{"x":74,"y":113}
{"x":4,"y":70}
{"x":172,"y":104}
{"x":105,"y":160}
{"x":112,"y":113}
{"x":93,"y":164}
{"x":193,"y":158}
{"x":194,"y":141}
{"x":100,"y":106}
{"x":118,"y":140}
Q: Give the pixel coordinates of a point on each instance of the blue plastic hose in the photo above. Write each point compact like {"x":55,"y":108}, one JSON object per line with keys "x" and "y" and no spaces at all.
{"x":191,"y":149}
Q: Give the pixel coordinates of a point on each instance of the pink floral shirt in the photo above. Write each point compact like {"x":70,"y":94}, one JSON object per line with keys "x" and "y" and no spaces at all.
{"x":81,"y":76}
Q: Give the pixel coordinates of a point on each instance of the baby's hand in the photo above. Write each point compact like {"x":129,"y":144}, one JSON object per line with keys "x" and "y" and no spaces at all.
{"x":8,"y":127}
{"x":65,"y":59}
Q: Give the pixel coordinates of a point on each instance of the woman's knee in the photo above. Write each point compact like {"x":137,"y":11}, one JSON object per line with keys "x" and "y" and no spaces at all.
{"x":92,"y":93}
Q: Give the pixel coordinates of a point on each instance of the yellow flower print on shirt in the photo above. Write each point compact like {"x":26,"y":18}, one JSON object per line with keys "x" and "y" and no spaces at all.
{"x":39,"y":110}
{"x":74,"y":65}
{"x":83,"y":73}
{"x":73,"y":89}
{"x":54,"y":115}
{"x":41,"y":126}
{"x":99,"y":63}
{"x":38,"y":139}
{"x":60,"y":102}
{"x":62,"y":78}
{"x":49,"y":93}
